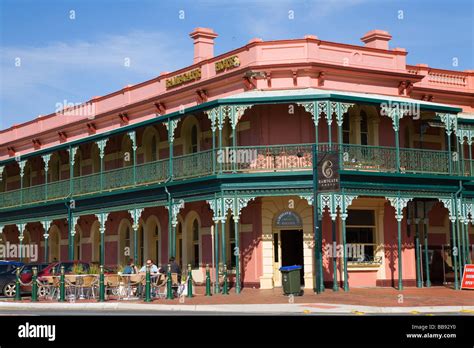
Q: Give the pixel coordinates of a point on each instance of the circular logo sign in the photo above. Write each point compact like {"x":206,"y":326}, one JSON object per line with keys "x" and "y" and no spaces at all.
{"x":326,"y":169}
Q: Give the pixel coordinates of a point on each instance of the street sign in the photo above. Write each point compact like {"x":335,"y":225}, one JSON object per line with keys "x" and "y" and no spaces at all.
{"x":328,"y":172}
{"x":468,"y":277}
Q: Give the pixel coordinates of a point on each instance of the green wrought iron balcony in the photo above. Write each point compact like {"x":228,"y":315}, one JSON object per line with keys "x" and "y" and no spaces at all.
{"x":242,"y":159}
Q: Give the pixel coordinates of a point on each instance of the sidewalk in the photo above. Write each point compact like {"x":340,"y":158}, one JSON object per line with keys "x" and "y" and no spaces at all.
{"x":356,"y":301}
{"x":264,"y":309}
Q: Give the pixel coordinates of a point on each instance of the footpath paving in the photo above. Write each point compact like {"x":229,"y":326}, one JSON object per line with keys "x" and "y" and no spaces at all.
{"x":357,"y":301}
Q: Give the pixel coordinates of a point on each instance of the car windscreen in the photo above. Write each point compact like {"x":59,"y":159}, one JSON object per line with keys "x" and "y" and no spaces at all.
{"x":26,"y":269}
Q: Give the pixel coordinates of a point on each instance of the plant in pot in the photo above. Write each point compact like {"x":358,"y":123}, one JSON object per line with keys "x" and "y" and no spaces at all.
{"x":78,"y":269}
{"x":94,"y":269}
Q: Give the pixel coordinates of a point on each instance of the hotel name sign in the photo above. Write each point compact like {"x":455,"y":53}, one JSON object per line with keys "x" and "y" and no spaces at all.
{"x":195,"y":74}
{"x":227,"y":63}
{"x":192,"y":75}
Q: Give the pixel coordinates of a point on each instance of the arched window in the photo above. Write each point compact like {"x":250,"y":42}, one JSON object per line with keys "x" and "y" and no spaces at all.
{"x":141,"y":239}
{"x":194,"y":139}
{"x":179,"y":238}
{"x":232,"y":242}
{"x":157,"y":245}
{"x":27,"y":176}
{"x":77,"y":164}
{"x":123,"y":257}
{"x":153,"y":144}
{"x":227,"y":134}
{"x":195,"y":243}
{"x":77,"y":246}
{"x":346,"y":129}
{"x":95,"y":156}
{"x":54,"y":168}
{"x":127,"y":237}
{"x":364,"y":129}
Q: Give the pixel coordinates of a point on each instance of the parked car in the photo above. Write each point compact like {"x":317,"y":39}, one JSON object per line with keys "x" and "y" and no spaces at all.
{"x":27,"y":270}
{"x":26,"y":273}
{"x":55,"y":268}
{"x":8,"y":283}
{"x":6,"y":266}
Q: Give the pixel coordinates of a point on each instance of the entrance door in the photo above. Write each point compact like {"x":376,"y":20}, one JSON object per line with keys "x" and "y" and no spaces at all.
{"x":276,"y":259}
{"x":292,"y":249}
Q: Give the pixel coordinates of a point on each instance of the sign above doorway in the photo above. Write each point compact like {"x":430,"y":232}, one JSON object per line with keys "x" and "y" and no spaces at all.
{"x":288,"y":219}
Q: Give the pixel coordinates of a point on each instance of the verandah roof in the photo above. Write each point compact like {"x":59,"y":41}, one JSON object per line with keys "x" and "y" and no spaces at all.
{"x":257,"y":97}
{"x":314,"y":93}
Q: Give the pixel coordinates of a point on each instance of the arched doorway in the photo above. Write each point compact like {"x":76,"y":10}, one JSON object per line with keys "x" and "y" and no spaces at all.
{"x":78,"y":244}
{"x":95,"y":239}
{"x":54,"y":243}
{"x":125,"y":251}
{"x":287,"y":243}
{"x":192,"y":241}
{"x":152,"y":239}
{"x":179,"y":243}
{"x":141,"y":242}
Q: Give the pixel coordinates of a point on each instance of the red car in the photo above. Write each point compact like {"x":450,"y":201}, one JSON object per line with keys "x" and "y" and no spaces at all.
{"x":55,"y":268}
{"x":26,"y":272}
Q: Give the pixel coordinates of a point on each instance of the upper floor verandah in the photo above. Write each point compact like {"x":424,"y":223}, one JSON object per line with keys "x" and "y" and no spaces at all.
{"x":254,"y":132}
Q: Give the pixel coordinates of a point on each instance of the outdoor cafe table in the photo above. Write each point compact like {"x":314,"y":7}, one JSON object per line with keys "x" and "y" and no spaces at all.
{"x":79,"y":282}
{"x":126,"y":287}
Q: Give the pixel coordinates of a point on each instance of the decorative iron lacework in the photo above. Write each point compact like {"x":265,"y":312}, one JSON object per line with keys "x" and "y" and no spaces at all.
{"x":218,"y":115}
{"x":465,"y":133}
{"x":102,"y":217}
{"x":316,"y":109}
{"x":133,"y":139}
{"x":101,"y":144}
{"x":221,"y":206}
{"x":22,"y":167}
{"x":175,"y":208}
{"x":46,"y":159}
{"x":399,"y":203}
{"x":450,"y":122}
{"x":407,"y":194}
{"x":75,"y":219}
{"x":73,"y":150}
{"x":135,"y":214}
{"x":171,"y":126}
{"x":239,"y":204}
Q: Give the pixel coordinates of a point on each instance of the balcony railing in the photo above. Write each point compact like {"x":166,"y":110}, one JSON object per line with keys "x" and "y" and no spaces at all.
{"x":244,"y":159}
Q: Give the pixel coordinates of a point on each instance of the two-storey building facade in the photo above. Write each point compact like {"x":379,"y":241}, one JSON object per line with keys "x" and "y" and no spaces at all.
{"x":212,"y":164}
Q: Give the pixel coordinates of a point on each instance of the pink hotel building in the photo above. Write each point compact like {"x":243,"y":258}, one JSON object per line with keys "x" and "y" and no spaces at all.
{"x":212,"y":164}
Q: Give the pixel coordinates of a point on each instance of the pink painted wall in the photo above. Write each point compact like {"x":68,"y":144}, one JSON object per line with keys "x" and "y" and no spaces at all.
{"x":250,"y":244}
{"x":269,"y":125}
{"x":391,"y":248}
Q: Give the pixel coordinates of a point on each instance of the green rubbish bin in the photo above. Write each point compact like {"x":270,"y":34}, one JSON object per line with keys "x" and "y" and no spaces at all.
{"x":291,"y":280}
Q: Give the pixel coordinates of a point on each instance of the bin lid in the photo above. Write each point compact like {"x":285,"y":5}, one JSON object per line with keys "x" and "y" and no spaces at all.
{"x":290,"y":268}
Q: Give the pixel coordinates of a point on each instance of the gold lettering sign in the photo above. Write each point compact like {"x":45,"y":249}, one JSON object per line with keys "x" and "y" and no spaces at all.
{"x":227,"y":63}
{"x":177,"y":80}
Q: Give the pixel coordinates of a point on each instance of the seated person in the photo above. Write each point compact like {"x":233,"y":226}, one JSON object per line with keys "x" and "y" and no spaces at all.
{"x":130,"y":268}
{"x":153,"y":268}
{"x":175,"y":268}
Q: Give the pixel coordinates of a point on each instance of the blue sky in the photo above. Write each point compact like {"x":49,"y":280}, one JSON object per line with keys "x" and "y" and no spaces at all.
{"x":47,"y":57}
